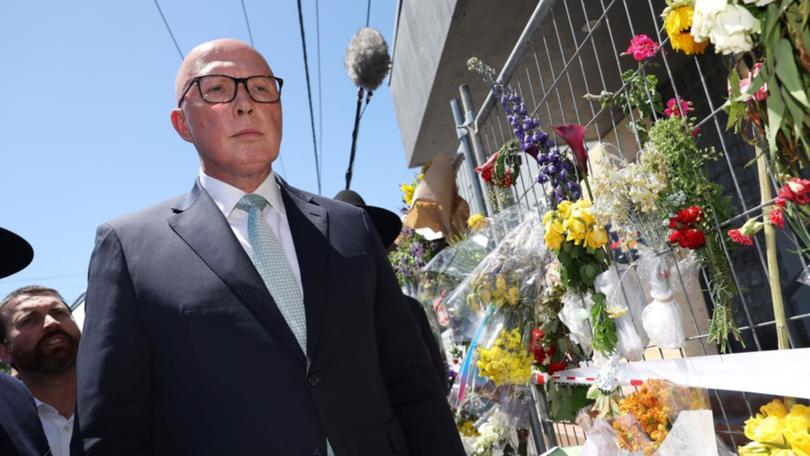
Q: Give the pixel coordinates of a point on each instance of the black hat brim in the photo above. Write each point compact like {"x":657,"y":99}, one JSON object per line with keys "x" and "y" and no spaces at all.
{"x":387,"y":223}
{"x":17,"y":253}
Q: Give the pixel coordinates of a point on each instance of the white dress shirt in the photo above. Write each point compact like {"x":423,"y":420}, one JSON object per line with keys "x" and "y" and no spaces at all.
{"x":226,"y":197}
{"x":58,"y":429}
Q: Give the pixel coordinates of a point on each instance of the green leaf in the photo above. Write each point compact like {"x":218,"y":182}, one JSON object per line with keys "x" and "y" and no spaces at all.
{"x":776,"y":110}
{"x":769,"y":31}
{"x":796,"y":112}
{"x":804,"y":10}
{"x":788,"y":72}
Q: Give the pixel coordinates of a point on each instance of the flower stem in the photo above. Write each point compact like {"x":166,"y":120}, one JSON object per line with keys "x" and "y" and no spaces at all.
{"x":783,"y":342}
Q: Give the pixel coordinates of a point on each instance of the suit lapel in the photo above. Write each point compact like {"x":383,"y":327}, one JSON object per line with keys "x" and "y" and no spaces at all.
{"x":309,"y":225}
{"x":200,"y":224}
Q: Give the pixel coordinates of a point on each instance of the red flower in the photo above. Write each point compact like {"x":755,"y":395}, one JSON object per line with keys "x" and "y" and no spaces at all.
{"x":673,"y":104}
{"x":487,"y":168}
{"x":796,"y":190}
{"x":692,"y":238}
{"x":574,"y":136}
{"x":556,"y":367}
{"x":691,"y":214}
{"x":740,"y":238}
{"x":674,"y":236}
{"x":777,"y":218}
{"x":642,"y":47}
{"x":779,"y":201}
{"x":673,"y":223}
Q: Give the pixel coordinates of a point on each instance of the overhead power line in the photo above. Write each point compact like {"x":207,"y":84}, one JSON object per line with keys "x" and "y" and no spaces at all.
{"x":320,"y":98}
{"x":166,"y":23}
{"x":309,"y":95}
{"x":247,"y":22}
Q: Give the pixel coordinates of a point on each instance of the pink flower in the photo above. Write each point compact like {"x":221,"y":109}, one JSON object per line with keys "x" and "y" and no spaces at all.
{"x":574,"y":136}
{"x":642,"y":47}
{"x":740,"y":238}
{"x":672,"y":107}
{"x":777,"y":218}
{"x":745,"y":84}
{"x":796,"y":190}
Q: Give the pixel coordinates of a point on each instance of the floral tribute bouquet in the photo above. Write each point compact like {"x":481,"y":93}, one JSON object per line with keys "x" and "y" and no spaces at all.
{"x":778,"y":429}
{"x":503,"y":167}
{"x":559,"y":172}
{"x":411,"y":254}
{"x":668,"y":185}
{"x":657,"y":418}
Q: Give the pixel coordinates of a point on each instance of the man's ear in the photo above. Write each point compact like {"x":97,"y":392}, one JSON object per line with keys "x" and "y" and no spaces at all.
{"x":180,"y":125}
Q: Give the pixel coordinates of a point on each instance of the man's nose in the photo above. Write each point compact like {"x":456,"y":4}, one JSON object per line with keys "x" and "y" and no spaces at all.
{"x":50,"y":321}
{"x":243,"y":104}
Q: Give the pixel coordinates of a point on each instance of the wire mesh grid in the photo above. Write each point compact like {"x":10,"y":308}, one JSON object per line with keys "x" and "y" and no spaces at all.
{"x":576,"y":50}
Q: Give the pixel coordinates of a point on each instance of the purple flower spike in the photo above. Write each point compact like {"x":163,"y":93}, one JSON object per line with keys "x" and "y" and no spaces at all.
{"x":542,"y":178}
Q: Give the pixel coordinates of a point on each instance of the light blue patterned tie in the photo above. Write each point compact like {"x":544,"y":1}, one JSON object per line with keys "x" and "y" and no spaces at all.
{"x":276,"y":272}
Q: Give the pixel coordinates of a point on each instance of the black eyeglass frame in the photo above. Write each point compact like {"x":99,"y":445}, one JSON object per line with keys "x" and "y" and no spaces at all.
{"x":236,"y":81}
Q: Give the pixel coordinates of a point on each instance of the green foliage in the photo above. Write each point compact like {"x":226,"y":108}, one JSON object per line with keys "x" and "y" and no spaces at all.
{"x":689,"y":184}
{"x":604,"y":328}
{"x":785,"y":42}
{"x":564,"y":401}
{"x":580,"y":265}
{"x":639,"y":98}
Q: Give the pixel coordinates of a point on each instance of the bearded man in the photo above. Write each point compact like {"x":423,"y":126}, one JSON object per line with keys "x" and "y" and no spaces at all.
{"x":40,"y":340}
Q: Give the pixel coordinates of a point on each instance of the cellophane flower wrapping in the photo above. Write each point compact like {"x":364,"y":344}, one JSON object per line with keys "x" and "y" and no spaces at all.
{"x":449,"y":269}
{"x":625,"y":297}
{"x":669,"y":284}
{"x":646,"y":420}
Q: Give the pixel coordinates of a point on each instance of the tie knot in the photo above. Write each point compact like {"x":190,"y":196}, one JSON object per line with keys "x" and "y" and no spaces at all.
{"x":252,"y":200}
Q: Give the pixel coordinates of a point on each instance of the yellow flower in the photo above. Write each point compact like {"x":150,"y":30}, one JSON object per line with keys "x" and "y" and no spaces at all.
{"x":799,"y":409}
{"x":576,"y":229}
{"x":513,"y":296}
{"x":554,"y":232}
{"x":678,"y":22}
{"x":797,"y":422}
{"x":770,"y":430}
{"x":774,"y":408}
{"x":476,"y":222}
{"x":750,"y":425}
{"x":754,"y":449}
{"x":782,"y":452}
{"x":800,"y":441}
{"x":564,"y":208}
{"x":500,"y":284}
{"x":407,"y":193}
{"x":507,"y":362}
{"x":596,"y":237}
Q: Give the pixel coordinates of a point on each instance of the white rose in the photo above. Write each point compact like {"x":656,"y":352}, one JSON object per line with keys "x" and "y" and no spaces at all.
{"x":758,"y":2}
{"x":731,"y":33}
{"x":703,"y":17}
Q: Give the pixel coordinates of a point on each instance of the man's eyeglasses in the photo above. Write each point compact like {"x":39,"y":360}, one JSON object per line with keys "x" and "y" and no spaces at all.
{"x":219,"y":88}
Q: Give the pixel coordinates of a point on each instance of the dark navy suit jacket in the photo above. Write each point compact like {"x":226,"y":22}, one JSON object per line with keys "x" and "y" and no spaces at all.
{"x":20,"y":429}
{"x":185,"y":353}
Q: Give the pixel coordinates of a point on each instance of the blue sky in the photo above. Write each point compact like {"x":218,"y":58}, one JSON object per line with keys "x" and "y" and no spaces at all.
{"x":84,"y":118}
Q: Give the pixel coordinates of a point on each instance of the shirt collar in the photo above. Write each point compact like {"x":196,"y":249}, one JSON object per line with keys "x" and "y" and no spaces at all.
{"x":226,"y":196}
{"x":44,"y":407}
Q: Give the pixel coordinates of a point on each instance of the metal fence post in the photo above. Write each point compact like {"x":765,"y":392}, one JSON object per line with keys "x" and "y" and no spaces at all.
{"x":463,"y":133}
